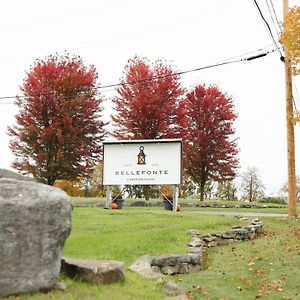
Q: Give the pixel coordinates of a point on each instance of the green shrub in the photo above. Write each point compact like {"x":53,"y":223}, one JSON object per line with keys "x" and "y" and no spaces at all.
{"x":274,"y":200}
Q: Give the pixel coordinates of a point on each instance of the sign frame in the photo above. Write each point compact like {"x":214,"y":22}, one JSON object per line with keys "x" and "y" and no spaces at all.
{"x":143,"y":143}
{"x":141,"y":161}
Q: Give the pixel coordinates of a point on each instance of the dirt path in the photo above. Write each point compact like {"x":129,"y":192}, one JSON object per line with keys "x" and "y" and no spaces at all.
{"x":240,"y":214}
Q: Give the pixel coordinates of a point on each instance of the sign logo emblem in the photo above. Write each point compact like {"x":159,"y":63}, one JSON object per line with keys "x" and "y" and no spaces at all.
{"x":141,"y":156}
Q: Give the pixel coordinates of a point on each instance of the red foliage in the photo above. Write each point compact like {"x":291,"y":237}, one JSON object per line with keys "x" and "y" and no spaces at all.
{"x":146,"y":109}
{"x":206,"y":119}
{"x":58,"y":130}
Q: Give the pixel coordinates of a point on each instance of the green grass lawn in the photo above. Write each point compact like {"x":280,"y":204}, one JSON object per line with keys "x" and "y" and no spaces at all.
{"x":267,"y":268}
{"x":132,"y":232}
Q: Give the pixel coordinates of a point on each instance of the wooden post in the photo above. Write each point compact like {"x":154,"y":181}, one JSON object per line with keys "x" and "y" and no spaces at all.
{"x":175,"y":197}
{"x":292,"y":198}
{"x":108,"y":197}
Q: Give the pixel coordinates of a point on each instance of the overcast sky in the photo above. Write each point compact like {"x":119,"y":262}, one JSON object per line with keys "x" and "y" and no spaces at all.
{"x":189,"y":34}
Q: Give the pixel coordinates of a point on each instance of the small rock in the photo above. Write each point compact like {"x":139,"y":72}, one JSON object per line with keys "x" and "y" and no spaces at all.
{"x":236,"y":227}
{"x":209,"y":238}
{"x":195,"y":258}
{"x":61,"y":286}
{"x":183,"y":268}
{"x":227,"y":235}
{"x":194,"y":232}
{"x":170,"y":270}
{"x":173,"y":288}
{"x":194,"y":250}
{"x":211,"y":244}
{"x":142,"y":266}
{"x":195,"y":243}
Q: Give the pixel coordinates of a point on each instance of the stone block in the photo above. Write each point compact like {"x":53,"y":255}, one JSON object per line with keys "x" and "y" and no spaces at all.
{"x":195,"y":242}
{"x":195,"y":250}
{"x":208,"y":238}
{"x":194,"y":232}
{"x":183,"y":268}
{"x":94,"y":271}
{"x":165,"y":260}
{"x":227,"y":235}
{"x":211,"y":244}
{"x":184,"y":258}
{"x":173,"y":288}
{"x":195,"y":268}
{"x":143,"y":266}
{"x":195,"y":258}
{"x":170,"y":270}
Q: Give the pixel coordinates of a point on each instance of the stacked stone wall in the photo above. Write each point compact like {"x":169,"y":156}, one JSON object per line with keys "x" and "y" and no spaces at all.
{"x":194,"y":260}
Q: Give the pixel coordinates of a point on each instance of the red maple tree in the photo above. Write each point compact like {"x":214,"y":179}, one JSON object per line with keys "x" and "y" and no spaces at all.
{"x":58,"y":127}
{"x":147,"y":101}
{"x":206,"y":119}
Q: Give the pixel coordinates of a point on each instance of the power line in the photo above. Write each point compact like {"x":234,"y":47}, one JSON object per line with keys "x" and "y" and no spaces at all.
{"x":218,"y":64}
{"x":267,"y":25}
{"x":273,"y":8}
{"x":248,"y":53}
{"x":272,"y":18}
{"x":170,"y":75}
{"x":296,"y":101}
{"x":296,"y":96}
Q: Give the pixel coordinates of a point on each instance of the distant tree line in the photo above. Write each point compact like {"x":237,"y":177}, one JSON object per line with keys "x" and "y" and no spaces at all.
{"x":59,"y":127}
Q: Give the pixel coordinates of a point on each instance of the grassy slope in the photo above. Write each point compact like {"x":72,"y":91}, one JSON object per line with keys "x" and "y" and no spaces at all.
{"x":266,"y":268}
{"x":269,"y":265}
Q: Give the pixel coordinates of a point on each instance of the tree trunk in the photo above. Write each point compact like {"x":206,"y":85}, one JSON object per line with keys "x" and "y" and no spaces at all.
{"x":202,"y":187}
{"x":50,"y":181}
{"x":147,"y":192}
{"x":251,"y":191}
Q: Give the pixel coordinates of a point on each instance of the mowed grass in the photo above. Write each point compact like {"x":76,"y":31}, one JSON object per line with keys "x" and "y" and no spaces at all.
{"x":132,"y":232}
{"x":267,"y":268}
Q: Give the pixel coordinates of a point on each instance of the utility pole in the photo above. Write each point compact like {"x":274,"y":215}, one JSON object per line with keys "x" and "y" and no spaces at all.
{"x":292,"y":198}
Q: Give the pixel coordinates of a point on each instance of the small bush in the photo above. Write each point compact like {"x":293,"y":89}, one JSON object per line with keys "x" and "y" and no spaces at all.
{"x":72,"y":188}
{"x":274,"y":200}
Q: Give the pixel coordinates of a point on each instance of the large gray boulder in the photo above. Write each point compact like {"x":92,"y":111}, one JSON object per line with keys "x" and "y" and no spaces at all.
{"x":35,"y":220}
{"x":4,"y":173}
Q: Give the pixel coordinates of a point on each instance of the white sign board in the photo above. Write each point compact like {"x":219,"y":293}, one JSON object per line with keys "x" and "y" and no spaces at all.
{"x":142,"y":162}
